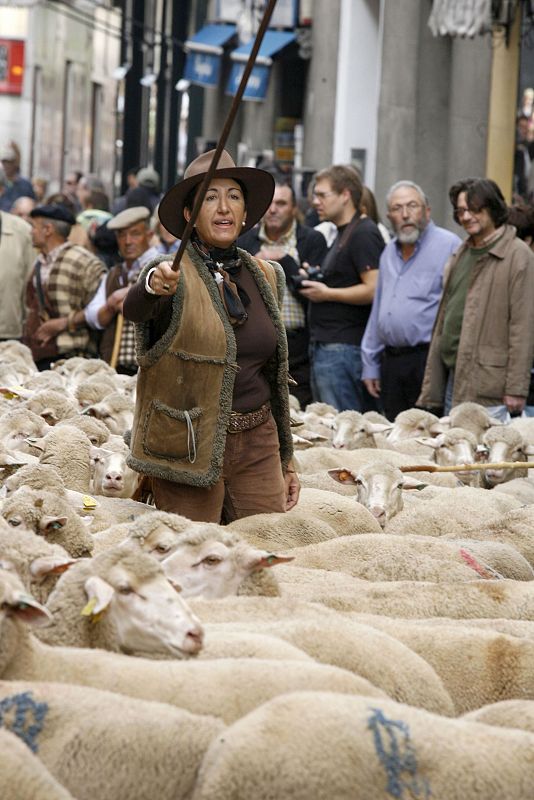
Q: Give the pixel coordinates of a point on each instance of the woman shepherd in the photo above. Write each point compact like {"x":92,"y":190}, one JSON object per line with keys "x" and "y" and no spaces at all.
{"x":211,"y":429}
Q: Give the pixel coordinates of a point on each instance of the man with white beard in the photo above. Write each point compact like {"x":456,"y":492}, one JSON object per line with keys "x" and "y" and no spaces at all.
{"x":410,"y":283}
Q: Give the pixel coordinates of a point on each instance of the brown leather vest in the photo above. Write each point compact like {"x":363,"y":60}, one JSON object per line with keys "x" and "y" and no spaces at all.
{"x":185,"y":381}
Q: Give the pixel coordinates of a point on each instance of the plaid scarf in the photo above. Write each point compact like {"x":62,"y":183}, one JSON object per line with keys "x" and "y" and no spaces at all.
{"x":293,"y":313}
{"x":225,"y":266}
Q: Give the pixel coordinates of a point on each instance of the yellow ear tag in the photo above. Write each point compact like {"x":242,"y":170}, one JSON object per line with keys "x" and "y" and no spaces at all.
{"x":88,"y":502}
{"x":11,"y":392}
{"x":88,"y":609}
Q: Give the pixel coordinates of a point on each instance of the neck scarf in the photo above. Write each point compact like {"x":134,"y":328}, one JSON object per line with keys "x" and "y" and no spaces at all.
{"x":225,"y":266}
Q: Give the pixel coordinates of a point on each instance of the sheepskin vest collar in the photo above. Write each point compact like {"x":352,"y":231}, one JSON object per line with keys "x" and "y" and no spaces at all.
{"x":186,"y":379}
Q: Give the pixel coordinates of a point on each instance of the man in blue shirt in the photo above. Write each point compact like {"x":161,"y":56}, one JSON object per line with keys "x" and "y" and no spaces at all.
{"x":397,"y":335}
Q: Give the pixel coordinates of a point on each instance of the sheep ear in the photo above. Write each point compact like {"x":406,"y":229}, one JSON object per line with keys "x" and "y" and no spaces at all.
{"x":26,"y":608}
{"x":300,"y":442}
{"x":441,"y":426}
{"x":492,"y":422}
{"x":342,"y":475}
{"x":378,"y":427}
{"x":49,"y":524}
{"x":428,"y":441}
{"x":413,"y":483}
{"x":37,"y":444}
{"x":269,"y":560}
{"x":528,"y":449}
{"x":99,"y":594}
{"x":49,"y":416}
{"x":50,"y":565}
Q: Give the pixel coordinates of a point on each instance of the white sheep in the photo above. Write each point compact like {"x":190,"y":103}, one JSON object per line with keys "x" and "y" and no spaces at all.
{"x":19,"y":424}
{"x":96,"y":431}
{"x":115,"y":411}
{"x":326,"y":745}
{"x":434,"y":512}
{"x":521,"y":489}
{"x":23,"y":775}
{"x":472,"y":417}
{"x":94,"y":389}
{"x":375,"y":557}
{"x":19,"y":355}
{"x":226,"y":687}
{"x":67,"y":448}
{"x":100,"y":745}
{"x":410,"y":424}
{"x":213,"y":563}
{"x":505,"y":714}
{"x":352,"y":430}
{"x":504,"y":443}
{"x":457,"y":446}
{"x":476,"y":666}
{"x":359,"y":648}
{"x":112,"y":477}
{"x":319,"y":516}
{"x":512,"y":527}
{"x":323,"y":458}
{"x":50,"y":515}
{"x":51,"y":405}
{"x":121,"y":601}
{"x":37,"y":562}
{"x":477,"y":598}
{"x":100,"y":514}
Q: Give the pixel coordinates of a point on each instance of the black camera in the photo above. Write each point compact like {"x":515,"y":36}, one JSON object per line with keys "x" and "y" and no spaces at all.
{"x":313,"y":274}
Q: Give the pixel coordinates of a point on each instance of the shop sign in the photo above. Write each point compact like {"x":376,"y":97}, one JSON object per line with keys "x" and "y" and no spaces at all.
{"x":11,"y":66}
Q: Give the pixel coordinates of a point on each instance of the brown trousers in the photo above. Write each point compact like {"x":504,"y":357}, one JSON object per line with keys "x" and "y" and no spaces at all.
{"x":251,"y":483}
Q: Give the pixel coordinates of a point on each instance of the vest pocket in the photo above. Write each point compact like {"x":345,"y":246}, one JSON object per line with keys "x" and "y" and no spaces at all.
{"x":171,"y":433}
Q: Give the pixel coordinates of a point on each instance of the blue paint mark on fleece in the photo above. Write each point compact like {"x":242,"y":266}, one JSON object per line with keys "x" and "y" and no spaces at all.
{"x":24,"y":717}
{"x":397,"y":755}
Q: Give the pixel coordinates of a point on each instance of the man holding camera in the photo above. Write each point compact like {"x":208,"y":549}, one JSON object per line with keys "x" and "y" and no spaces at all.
{"x":280,"y":237}
{"x":341,"y":299}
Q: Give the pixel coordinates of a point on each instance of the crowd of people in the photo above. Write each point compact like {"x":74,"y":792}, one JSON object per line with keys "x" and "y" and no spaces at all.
{"x":376,"y":317}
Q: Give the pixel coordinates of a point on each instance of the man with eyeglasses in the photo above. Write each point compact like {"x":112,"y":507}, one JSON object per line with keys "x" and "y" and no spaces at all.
{"x":410,"y":282}
{"x":483,"y":341}
{"x":340,"y":300}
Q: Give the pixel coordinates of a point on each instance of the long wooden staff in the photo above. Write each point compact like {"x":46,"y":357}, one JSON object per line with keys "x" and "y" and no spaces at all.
{"x":472,"y":467}
{"x":225,"y":132}
{"x":117,"y":340}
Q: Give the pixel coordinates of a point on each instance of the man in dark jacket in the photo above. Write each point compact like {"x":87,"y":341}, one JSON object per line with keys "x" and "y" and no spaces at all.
{"x":279,"y":237}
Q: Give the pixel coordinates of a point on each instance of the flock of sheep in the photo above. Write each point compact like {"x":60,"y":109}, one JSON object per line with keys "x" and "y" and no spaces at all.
{"x":377,"y":641}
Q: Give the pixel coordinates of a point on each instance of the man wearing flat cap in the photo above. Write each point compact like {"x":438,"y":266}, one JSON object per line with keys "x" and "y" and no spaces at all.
{"x":117,"y":345}
{"x":64,"y":278}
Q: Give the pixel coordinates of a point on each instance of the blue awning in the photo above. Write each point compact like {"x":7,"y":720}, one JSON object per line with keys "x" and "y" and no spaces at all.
{"x":256,"y":88}
{"x":204,"y":51}
{"x":272,"y":43}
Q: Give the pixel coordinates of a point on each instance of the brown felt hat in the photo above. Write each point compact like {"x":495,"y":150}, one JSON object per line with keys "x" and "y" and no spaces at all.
{"x":258,"y":183}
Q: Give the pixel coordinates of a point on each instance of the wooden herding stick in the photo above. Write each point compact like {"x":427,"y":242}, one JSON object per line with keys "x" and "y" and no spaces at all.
{"x":117,"y":340}
{"x":471,"y":467}
{"x":225,"y":133}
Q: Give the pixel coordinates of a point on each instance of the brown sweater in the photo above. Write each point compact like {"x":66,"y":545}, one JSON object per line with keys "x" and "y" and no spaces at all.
{"x":255,"y":339}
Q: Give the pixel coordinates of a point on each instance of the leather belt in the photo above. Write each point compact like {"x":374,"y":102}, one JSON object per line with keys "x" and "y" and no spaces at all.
{"x":404,"y":351}
{"x":251,"y":419}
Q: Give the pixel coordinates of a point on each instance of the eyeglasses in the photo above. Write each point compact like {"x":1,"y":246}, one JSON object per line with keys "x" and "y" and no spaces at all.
{"x":321,"y":195}
{"x":399,"y":208}
{"x":461,"y":212}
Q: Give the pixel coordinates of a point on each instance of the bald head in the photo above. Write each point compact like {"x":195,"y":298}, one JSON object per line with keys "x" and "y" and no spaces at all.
{"x":22,"y":207}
